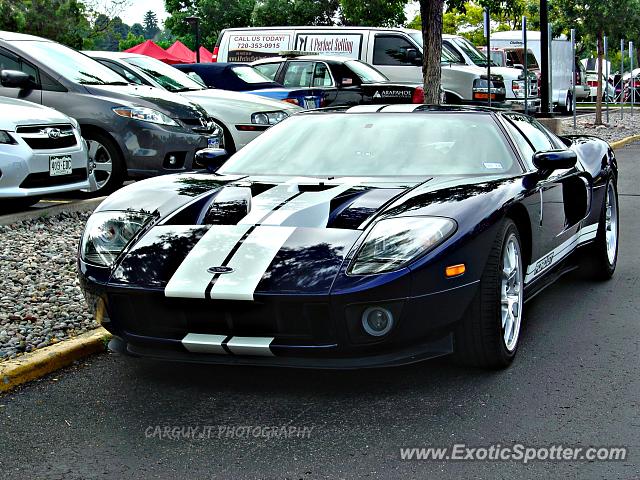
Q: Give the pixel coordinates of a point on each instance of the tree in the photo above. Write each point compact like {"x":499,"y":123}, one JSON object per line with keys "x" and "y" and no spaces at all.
{"x":137,"y":30}
{"x":294,"y":12}
{"x":131,"y":41}
{"x":215,"y":15}
{"x":374,"y":13}
{"x":150,"y":23}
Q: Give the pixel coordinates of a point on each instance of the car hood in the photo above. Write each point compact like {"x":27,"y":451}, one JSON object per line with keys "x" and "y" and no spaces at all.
{"x":166,"y":102}
{"x":19,"y":112}
{"x":507,"y":73}
{"x":239,"y":99}
{"x":261,"y":235}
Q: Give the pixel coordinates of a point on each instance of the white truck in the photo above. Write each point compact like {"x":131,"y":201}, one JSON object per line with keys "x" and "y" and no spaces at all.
{"x":396,"y":52}
{"x":561,"y":63}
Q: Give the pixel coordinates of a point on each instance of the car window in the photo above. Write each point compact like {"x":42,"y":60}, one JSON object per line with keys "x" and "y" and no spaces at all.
{"x":392,"y":50}
{"x":450,"y":55}
{"x":130,"y":77}
{"x":168,"y":77}
{"x":523,"y":145}
{"x":10,"y":62}
{"x":250,"y":75}
{"x":269,"y":70}
{"x":298,"y":74}
{"x":322,"y":76}
{"x":534,"y":132}
{"x":366,"y":72}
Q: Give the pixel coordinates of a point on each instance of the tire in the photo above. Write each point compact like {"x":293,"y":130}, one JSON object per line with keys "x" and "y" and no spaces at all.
{"x":229,"y":144}
{"x":600,"y":258}
{"x":568,"y":106}
{"x":451,"y":99}
{"x":109,"y":167}
{"x":481,"y":339}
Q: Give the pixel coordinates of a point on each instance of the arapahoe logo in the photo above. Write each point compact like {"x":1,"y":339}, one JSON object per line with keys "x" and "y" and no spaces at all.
{"x":392,"y":93}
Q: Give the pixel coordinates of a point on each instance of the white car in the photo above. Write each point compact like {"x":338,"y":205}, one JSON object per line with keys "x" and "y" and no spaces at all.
{"x":242,"y":116}
{"x":41,"y":153}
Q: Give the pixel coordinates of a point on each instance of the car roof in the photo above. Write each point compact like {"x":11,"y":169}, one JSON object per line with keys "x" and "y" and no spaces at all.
{"x":13,"y":37}
{"x":407,"y":108}
{"x":325,"y":28}
{"x":322,"y":58}
{"x":108,"y":54}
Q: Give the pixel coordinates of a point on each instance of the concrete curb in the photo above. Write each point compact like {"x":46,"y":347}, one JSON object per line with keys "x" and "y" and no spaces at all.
{"x":81,"y":206}
{"x":49,"y":359}
{"x":624,"y":142}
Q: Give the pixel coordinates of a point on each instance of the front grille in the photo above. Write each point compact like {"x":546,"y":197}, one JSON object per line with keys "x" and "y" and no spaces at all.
{"x":158,"y":316}
{"x":43,"y":179}
{"x":200,"y":124}
{"x":47,"y":137}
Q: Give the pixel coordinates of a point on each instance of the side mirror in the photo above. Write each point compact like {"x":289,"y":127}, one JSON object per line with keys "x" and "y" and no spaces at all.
{"x":15,"y":79}
{"x":413,"y":56}
{"x":211,"y":158}
{"x":551,"y":160}
{"x":518,"y":65}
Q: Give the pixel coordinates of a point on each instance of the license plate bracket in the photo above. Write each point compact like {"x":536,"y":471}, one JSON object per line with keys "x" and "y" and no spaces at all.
{"x":60,"y":165}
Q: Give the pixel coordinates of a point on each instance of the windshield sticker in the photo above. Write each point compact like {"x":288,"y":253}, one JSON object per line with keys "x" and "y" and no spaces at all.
{"x":492,"y":166}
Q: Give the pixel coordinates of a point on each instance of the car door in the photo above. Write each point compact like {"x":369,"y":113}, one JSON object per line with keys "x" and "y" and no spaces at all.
{"x":564,"y":194}
{"x":397,"y":57}
{"x":11,"y":61}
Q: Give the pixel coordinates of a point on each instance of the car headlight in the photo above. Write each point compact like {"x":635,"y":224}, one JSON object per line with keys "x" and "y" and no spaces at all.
{"x":393,"y":243}
{"x":268,"y":118}
{"x":6,"y":139}
{"x":146,"y":115}
{"x":108,"y":233}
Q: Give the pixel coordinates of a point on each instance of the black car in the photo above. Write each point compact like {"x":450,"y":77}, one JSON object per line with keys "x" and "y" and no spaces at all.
{"x":415,"y":232}
{"x":354,"y":82}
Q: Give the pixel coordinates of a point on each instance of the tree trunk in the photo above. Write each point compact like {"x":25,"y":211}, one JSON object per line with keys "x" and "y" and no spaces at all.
{"x":601,"y":78}
{"x":431,"y":13}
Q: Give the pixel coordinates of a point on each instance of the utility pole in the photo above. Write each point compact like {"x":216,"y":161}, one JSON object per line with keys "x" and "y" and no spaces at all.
{"x":544,"y":56}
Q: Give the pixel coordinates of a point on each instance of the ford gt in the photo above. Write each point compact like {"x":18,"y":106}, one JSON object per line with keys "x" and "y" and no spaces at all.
{"x":370,"y":236}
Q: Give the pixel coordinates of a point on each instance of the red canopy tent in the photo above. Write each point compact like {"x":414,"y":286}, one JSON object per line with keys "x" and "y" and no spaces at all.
{"x":150,"y":49}
{"x":181,"y":51}
{"x":205,"y":55}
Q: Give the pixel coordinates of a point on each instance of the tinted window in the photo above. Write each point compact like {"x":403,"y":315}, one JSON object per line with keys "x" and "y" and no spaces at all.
{"x":298,"y":74}
{"x":415,"y":144}
{"x":392,"y":50}
{"x":534,"y":132}
{"x":9,"y":62}
{"x":523,"y":145}
{"x":269,"y":70}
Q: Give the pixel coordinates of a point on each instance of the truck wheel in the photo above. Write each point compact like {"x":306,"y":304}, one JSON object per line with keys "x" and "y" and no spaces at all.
{"x":568,"y":106}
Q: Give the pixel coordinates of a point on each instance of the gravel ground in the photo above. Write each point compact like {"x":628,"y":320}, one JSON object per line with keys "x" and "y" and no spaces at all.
{"x":617,"y":129}
{"x":40,"y":300}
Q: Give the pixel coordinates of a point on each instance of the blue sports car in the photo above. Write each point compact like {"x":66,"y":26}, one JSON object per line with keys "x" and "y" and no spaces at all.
{"x":239,"y":77}
{"x":377,"y":235}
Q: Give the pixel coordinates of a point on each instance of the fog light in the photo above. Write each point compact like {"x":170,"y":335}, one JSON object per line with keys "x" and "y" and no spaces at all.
{"x":377,"y":321}
{"x":172,"y":160}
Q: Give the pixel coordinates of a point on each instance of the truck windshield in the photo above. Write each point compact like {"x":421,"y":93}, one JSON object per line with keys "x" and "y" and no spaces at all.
{"x":476,"y":56}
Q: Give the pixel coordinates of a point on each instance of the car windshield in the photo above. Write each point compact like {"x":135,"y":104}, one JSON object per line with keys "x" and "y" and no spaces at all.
{"x":382,"y":144}
{"x":497,"y":58}
{"x":72,"y":65}
{"x":476,"y":56}
{"x":250,"y":75}
{"x":366,"y":73}
{"x":168,"y":77}
{"x":450,"y":56}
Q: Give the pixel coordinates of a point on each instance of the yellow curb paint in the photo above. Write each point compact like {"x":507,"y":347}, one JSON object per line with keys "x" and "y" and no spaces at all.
{"x":625,"y":141}
{"x":49,"y":359}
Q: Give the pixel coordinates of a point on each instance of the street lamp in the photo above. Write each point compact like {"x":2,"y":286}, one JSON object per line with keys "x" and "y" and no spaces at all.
{"x":195,"y":23}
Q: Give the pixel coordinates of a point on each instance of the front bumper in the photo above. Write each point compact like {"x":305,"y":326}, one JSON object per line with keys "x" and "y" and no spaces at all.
{"x":148,"y":148}
{"x":25,"y":172}
{"x":289,"y":330}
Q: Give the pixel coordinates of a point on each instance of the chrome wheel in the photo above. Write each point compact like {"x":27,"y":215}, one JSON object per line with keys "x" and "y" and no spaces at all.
{"x":511,"y":292}
{"x":100,"y":163}
{"x":611,"y":223}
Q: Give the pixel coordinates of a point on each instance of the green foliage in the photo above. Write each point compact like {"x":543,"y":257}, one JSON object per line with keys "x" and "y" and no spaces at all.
{"x":150,"y":23}
{"x":131,"y":41}
{"x":61,"y":20}
{"x":373,"y":13}
{"x":294,"y":12}
{"x":137,"y":29}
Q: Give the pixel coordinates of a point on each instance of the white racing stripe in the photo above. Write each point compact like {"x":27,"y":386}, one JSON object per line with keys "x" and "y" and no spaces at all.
{"x":263,"y":204}
{"x":250,"y":263}
{"x":202,"y":343}
{"x":251,"y":346}
{"x":560,"y":252}
{"x":192,"y":278}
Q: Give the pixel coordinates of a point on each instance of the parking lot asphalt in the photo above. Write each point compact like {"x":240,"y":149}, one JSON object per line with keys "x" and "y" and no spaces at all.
{"x":575,"y":382}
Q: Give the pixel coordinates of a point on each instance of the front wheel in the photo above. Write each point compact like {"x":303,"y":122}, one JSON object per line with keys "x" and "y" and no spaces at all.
{"x":106,"y":161}
{"x":601,"y":258}
{"x":488,"y":334}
